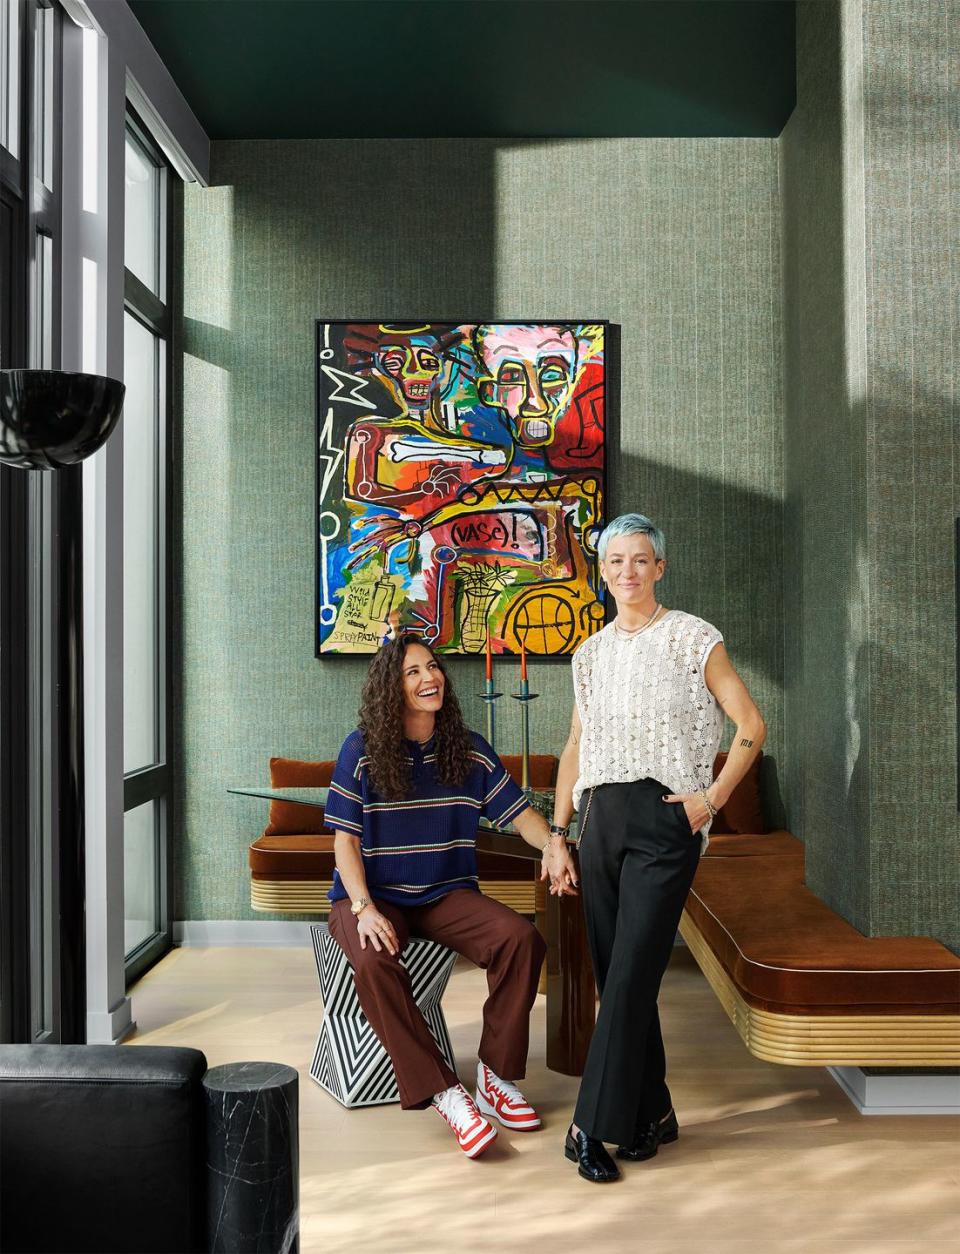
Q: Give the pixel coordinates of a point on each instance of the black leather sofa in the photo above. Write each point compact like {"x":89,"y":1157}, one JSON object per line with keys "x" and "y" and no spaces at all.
{"x":102,"y":1149}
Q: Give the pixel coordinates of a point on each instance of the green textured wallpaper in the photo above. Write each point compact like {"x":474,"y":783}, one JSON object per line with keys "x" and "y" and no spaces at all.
{"x":871,"y":223}
{"x":826,"y":602}
{"x":678,"y":241}
{"x":912,"y":276}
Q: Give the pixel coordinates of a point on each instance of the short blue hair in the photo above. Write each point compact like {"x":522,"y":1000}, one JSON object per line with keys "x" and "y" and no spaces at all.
{"x":633,"y":525}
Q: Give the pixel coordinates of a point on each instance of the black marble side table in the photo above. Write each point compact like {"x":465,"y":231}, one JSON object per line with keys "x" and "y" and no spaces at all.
{"x":253,"y":1157}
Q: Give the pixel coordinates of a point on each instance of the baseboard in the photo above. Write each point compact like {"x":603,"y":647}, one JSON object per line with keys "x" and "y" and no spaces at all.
{"x":266,"y":933}
{"x":111,"y":1027}
{"x":883,"y":1091}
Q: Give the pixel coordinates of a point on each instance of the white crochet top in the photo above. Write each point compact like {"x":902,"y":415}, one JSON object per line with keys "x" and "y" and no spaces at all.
{"x":645,"y":707}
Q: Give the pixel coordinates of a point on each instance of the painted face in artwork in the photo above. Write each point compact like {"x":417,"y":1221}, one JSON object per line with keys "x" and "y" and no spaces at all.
{"x":414,"y":365}
{"x":529,"y":375}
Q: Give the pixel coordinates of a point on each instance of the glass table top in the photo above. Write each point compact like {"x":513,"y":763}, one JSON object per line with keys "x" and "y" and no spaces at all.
{"x":304,"y":796}
{"x":541,"y":799}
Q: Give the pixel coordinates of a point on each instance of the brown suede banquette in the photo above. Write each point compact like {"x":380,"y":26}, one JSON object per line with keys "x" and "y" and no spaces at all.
{"x":291,"y":865}
{"x":801,"y":985}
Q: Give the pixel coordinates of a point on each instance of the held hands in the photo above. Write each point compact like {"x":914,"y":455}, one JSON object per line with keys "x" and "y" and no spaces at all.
{"x":559,"y":868}
{"x":377,"y":929}
{"x":694,"y":807}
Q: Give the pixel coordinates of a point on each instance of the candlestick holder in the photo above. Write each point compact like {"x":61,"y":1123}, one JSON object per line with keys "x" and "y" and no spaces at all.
{"x":525,"y":696}
{"x":491,"y":698}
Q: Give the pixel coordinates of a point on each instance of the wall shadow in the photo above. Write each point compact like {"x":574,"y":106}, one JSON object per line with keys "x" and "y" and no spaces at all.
{"x":289,"y":232}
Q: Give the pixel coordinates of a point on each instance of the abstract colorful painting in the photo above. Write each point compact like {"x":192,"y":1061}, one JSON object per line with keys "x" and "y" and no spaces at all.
{"x":460,"y":481}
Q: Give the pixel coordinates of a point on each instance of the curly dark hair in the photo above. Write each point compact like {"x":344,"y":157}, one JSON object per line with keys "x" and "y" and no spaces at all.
{"x":381,"y":722}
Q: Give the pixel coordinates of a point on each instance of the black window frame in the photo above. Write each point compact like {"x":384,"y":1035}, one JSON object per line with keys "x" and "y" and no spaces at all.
{"x":42,"y":976}
{"x":155,"y":782}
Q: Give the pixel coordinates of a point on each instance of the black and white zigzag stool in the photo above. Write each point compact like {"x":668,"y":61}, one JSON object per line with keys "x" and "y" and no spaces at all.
{"x":349,"y":1061}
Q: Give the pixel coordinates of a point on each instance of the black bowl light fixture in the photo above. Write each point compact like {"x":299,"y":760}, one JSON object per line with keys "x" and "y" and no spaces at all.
{"x":50,"y":419}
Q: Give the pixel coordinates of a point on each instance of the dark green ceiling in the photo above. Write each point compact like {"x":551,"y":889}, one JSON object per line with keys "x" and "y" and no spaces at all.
{"x":271,"y":69}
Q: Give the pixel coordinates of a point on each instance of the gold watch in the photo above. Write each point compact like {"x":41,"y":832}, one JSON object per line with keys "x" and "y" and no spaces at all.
{"x":358,"y":905}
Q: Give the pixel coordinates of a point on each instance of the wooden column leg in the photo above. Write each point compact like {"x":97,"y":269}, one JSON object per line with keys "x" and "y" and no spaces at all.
{"x":571,"y":992}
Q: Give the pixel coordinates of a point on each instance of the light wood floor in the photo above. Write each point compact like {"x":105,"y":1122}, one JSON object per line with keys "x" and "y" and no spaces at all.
{"x":770,"y":1158}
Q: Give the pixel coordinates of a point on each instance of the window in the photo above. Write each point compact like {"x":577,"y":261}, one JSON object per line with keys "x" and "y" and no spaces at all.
{"x":30,"y":756}
{"x":42,"y":178}
{"x":143,"y":219}
{"x":12,"y":269}
{"x":14,"y":503}
{"x":44,"y":95}
{"x":58,"y":171}
{"x":11,"y":48}
{"x":146,"y":352}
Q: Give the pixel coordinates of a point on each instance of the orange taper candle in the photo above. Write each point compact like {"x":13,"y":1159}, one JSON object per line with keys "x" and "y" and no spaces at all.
{"x":489,"y":657}
{"x":523,"y":660}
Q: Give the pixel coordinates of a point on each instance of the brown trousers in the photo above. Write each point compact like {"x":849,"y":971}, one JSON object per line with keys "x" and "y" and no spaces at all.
{"x":491,"y":935}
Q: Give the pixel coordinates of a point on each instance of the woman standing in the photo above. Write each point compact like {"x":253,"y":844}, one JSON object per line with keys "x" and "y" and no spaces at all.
{"x":651,"y":691}
{"x":408,"y":789}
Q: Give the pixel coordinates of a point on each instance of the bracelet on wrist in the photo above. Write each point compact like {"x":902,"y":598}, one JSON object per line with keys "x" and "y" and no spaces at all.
{"x":708,"y":803}
{"x":557,"y":830}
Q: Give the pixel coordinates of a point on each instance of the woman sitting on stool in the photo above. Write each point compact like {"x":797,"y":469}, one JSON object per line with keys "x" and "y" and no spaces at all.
{"x":408,"y":789}
{"x":651,"y":690}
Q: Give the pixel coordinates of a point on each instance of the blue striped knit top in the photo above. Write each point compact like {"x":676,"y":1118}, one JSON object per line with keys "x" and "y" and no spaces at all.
{"x":424,"y":846}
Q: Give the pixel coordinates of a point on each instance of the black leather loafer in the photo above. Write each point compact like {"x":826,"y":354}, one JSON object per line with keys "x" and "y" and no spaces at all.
{"x":593,"y":1161}
{"x":649,"y":1137}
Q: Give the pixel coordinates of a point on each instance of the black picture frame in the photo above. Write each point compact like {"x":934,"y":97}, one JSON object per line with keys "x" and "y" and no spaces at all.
{"x":611,"y":432}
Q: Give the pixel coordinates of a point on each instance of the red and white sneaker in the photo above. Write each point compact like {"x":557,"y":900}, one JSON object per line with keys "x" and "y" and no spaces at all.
{"x":501,"y":1100}
{"x":474,"y":1133}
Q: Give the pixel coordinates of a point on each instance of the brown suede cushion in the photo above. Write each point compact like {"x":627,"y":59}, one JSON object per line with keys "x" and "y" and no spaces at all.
{"x":288,"y":818}
{"x":543,"y":768}
{"x":787,"y":951}
{"x":736,"y":846}
{"x":743,"y":811}
{"x":280,"y":857}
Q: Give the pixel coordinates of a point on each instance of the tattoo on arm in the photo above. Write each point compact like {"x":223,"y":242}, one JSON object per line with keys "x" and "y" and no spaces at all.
{"x":747,"y":744}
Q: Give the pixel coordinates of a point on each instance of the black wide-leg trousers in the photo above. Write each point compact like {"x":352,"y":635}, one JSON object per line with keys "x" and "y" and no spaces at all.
{"x":638,"y":858}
